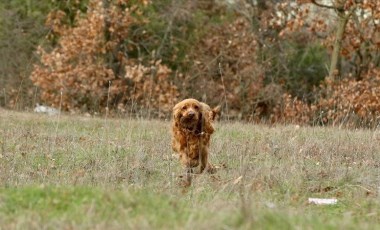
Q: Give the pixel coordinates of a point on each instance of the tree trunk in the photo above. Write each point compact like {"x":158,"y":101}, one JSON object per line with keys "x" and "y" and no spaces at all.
{"x":343,"y":16}
{"x":343,"y":19}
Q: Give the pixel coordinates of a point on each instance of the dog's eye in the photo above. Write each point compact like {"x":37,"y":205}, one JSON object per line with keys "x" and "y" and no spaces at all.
{"x":196,"y":107}
{"x":184,"y":108}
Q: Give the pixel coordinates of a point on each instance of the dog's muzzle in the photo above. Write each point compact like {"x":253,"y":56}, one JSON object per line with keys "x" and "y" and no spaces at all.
{"x":189,"y":118}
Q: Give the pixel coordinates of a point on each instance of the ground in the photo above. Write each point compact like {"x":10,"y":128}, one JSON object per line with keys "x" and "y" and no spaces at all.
{"x":73,"y":172}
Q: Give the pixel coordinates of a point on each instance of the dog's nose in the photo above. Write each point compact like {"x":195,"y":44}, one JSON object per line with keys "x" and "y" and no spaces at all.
{"x":191,"y":113}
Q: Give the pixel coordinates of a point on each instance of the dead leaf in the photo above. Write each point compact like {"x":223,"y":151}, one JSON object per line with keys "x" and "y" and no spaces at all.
{"x":237,"y":180}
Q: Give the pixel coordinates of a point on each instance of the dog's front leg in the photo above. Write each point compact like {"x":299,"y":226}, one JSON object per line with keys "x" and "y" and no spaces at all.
{"x":205,"y":164}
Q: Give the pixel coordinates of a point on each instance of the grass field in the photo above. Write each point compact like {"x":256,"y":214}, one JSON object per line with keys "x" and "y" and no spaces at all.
{"x":95,"y":173}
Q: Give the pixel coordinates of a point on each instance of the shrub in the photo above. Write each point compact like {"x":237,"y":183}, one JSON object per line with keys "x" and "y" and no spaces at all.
{"x":351,"y":102}
{"x":88,"y":69}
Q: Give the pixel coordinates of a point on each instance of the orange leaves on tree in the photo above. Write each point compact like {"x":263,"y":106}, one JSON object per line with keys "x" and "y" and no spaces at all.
{"x":83,"y":70}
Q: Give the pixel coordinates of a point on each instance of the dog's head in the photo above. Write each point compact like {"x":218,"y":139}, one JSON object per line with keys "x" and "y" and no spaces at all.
{"x":188,"y":114}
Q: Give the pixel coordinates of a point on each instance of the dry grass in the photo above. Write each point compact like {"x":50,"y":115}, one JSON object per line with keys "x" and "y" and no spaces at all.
{"x":92,"y":173}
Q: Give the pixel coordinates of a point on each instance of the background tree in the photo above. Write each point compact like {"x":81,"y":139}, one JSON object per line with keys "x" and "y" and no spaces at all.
{"x":22,"y":29}
{"x":349,"y":97}
{"x":21,"y":26}
{"x":305,"y":61}
{"x":88,"y":69}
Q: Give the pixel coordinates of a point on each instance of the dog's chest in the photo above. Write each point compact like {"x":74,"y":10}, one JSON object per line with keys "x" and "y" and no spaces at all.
{"x":193,"y":144}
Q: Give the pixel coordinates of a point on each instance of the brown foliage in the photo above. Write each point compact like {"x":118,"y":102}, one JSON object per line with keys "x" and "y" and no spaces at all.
{"x":291,"y":110}
{"x":350,"y":98}
{"x":88,"y":69}
{"x":354,"y":102}
{"x":224,"y":68}
{"x":152,"y":88}
{"x":232,"y":62}
{"x":349,"y":102}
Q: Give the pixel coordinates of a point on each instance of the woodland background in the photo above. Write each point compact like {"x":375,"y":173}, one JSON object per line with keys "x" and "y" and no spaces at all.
{"x":313,"y":62}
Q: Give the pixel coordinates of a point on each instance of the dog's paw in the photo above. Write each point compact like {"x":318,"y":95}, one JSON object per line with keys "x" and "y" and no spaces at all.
{"x":211,"y":169}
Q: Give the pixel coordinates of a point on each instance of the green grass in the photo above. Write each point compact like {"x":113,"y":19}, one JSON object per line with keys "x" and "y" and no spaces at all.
{"x":92,"y":173}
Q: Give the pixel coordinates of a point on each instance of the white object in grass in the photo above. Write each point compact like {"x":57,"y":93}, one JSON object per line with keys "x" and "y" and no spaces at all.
{"x":322,"y":201}
{"x":45,"y":109}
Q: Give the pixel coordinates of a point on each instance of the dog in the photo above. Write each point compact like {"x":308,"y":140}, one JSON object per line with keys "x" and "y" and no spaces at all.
{"x":191,"y":132}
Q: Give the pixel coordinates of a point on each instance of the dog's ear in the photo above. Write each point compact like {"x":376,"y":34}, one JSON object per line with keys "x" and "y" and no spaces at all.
{"x":200,"y":124}
{"x":215,"y":112}
{"x":205,"y":121}
{"x":176,"y":114}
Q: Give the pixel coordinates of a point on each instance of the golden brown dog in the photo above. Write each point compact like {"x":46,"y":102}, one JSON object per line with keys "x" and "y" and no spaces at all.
{"x":191,"y":129}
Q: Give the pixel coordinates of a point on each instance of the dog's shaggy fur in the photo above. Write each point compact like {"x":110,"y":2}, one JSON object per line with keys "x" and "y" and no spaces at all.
{"x":191,"y":129}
